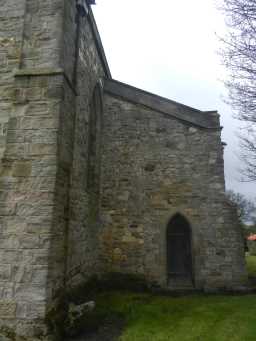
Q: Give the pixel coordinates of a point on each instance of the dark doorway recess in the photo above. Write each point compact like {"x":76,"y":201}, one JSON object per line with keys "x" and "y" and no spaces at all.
{"x":179,"y":256}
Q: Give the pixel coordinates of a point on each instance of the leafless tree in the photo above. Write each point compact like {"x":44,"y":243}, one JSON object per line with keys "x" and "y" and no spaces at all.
{"x":239,"y":55}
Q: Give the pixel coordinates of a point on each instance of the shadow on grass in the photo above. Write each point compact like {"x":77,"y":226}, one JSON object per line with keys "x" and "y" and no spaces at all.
{"x":196,"y":317}
{"x":138,"y":314}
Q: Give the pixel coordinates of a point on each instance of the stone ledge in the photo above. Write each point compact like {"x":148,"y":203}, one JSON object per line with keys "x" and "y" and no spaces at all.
{"x":39,"y":72}
{"x":30,"y":72}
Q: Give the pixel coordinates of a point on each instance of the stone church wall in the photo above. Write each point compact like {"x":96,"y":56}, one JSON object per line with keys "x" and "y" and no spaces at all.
{"x":30,"y":44}
{"x":88,"y":180}
{"x":156,"y":166}
{"x":11,"y":28}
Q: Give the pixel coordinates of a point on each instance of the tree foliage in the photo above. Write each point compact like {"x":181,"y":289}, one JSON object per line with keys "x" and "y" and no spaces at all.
{"x":246,"y":208}
{"x":239,"y":55}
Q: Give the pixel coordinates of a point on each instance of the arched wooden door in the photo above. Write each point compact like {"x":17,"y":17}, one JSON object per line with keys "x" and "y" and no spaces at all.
{"x":179,"y":256}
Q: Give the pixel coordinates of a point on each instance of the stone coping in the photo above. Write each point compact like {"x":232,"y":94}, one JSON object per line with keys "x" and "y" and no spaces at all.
{"x":98,"y":42}
{"x":201,"y":119}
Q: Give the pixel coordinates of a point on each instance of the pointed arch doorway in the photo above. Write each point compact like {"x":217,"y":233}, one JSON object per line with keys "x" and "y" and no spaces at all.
{"x":179,"y":255}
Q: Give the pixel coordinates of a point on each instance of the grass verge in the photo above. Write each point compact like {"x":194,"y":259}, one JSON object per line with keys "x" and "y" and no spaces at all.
{"x":251,"y":266}
{"x":197,"y":318}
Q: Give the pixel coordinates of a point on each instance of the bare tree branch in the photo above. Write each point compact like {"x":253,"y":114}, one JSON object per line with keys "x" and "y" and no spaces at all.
{"x":239,"y":57}
{"x":246,"y":208}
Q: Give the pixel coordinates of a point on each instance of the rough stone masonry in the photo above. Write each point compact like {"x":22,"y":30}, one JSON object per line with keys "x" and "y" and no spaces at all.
{"x":97,"y":176}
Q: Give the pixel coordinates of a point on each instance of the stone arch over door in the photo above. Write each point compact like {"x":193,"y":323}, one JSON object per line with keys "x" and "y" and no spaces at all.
{"x":179,"y":251}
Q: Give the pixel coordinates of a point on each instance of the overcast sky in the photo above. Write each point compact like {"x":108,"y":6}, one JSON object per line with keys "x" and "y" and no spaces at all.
{"x":169,"y":47}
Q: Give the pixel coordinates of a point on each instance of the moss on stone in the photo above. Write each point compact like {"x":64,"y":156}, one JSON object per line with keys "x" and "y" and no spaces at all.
{"x":10,"y":334}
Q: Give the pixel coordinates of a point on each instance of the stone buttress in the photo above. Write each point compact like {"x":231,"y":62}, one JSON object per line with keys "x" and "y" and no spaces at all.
{"x":51,"y":60}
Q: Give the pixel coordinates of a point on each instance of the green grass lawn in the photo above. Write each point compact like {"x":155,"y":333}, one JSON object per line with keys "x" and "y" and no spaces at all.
{"x":251,"y":266}
{"x":197,"y":318}
{"x":190,"y":318}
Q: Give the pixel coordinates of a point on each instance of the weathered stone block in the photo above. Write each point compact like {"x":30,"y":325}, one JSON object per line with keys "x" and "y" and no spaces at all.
{"x":29,"y":241}
{"x":39,"y":274}
{"x":8,"y":309}
{"x":5,"y":272}
{"x":42,"y":149}
{"x":15,"y":150}
{"x":39,"y":122}
{"x":7,"y":209}
{"x":6,"y":290}
{"x":22,"y":168}
{"x":30,"y":293}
